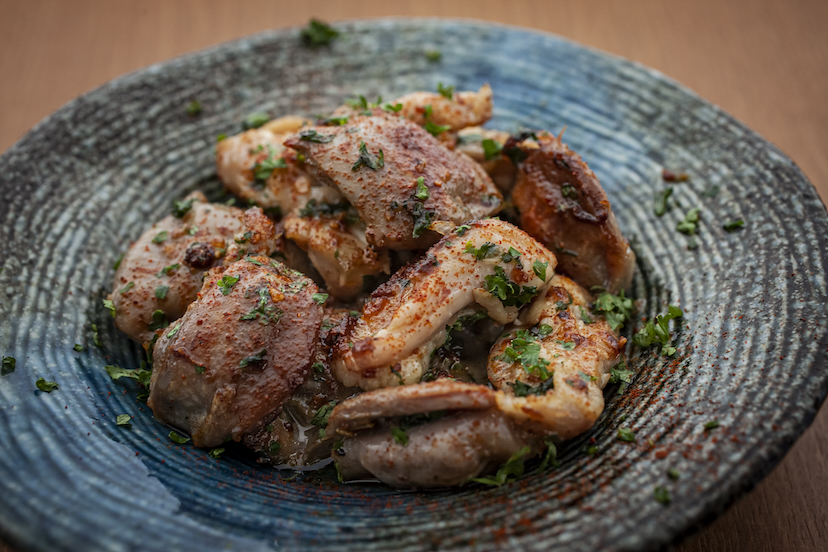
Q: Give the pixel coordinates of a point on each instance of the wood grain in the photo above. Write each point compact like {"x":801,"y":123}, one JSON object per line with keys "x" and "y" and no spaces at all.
{"x":764,"y":61}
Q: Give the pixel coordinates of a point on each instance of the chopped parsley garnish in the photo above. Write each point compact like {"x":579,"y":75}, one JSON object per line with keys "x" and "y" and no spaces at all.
{"x":712,"y":424}
{"x":167,"y":270}
{"x":123,"y":420}
{"x":511,"y":255}
{"x":367,"y":160}
{"x":464,"y":321}
{"x":318,"y":367}
{"x":486,"y":251}
{"x":253,"y":260}
{"x":96,"y":339}
{"x":661,"y":206}
{"x":161,"y":292}
{"x":181,"y":208}
{"x":318,"y":33}
{"x":659,"y":332}
{"x":626,"y":435}
{"x":78,"y":348}
{"x":445,"y":91}
{"x":550,"y":458}
{"x":221,"y":137}
{"x":255,"y":120}
{"x":226,"y":283}
{"x":521,"y":389}
{"x":216,"y":452}
{"x":460,"y":230}
{"x":690,"y":223}
{"x":619,"y":372}
{"x":311,"y":135}
{"x":263,"y":312}
{"x":525,"y":349}
{"x":422,"y":218}
{"x":274,"y":447}
{"x":193,"y":108}
{"x":127,"y":287}
{"x":509,"y":293}
{"x":258,"y":360}
{"x":314,"y":209}
{"x":178,"y":439}
{"x":431,"y":128}
{"x":568,"y":190}
{"x":141,"y":376}
{"x":422,"y":189}
{"x":173,"y":331}
{"x":662,"y":495}
{"x":117,"y":262}
{"x":539,"y":269}
{"x":320,"y":418}
{"x":733,"y":225}
{"x":400,"y":436}
{"x":512,"y":468}
{"x":9,"y":364}
{"x":160,"y":237}
{"x":395,"y":108}
{"x":592,"y":450}
{"x":585,"y":317}
{"x":46,"y":386}
{"x":433,"y":55}
{"x":566,"y":345}
{"x":673,"y":473}
{"x":263,"y":169}
{"x":110,"y":306}
{"x":319,"y":298}
{"x":159,"y":321}
{"x":491,"y":148}
{"x":332,"y":121}
{"x":617,"y":309}
{"x":712,"y":191}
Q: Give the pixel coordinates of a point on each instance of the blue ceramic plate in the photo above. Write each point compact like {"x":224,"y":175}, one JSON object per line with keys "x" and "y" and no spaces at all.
{"x":91,"y":177}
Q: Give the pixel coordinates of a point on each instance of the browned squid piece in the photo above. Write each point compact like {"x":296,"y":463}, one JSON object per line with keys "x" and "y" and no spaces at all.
{"x":238,"y":353}
{"x":397,"y":176}
{"x":162,"y":272}
{"x":563,"y":205}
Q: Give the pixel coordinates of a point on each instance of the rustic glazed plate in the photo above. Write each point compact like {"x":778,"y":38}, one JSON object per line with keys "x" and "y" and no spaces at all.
{"x":91,"y":177}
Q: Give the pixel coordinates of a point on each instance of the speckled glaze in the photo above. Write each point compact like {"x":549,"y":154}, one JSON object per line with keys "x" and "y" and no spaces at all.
{"x":91,"y":177}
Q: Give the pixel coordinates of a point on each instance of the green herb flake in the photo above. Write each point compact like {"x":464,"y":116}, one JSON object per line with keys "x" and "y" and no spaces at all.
{"x":320,"y":298}
{"x":509,"y":293}
{"x":422,"y":189}
{"x":263,"y":312}
{"x":318,"y":367}
{"x":365,"y":159}
{"x":712,"y":191}
{"x":123,"y":420}
{"x":733,"y":225}
{"x":181,"y":208}
{"x":690,"y":223}
{"x":161,"y":292}
{"x":255,"y":120}
{"x":617,"y":309}
{"x":178,"y":439}
{"x":310,"y":135}
{"x":159,"y":321}
{"x":521,"y":389}
{"x":513,"y":468}
{"x":258,"y":360}
{"x":422,"y":218}
{"x":673,"y":473}
{"x":226,"y":283}
{"x":511,"y":255}
{"x":431,"y":128}
{"x":115,"y":372}
{"x":110,"y":306}
{"x":433,"y":55}
{"x":274,"y":447}
{"x":318,"y":33}
{"x":117,"y":262}
{"x":320,"y":418}
{"x":46,"y":386}
{"x":712,"y":424}
{"x":221,"y":137}
{"x":8,"y":367}
{"x":193,"y":108}
{"x":620,"y":373}
{"x":395,"y":108}
{"x":626,"y":435}
{"x":566,"y":345}
{"x":539,"y":269}
{"x":400,"y":436}
{"x":662,"y":495}
{"x":491,"y":148}
{"x":127,"y":287}
{"x":173,"y":331}
{"x":216,"y":452}
{"x":661,"y":205}
{"x":658,"y":331}
{"x":445,"y":91}
{"x":585,"y":317}
{"x":78,"y":348}
{"x":167,"y":270}
{"x":550,"y":458}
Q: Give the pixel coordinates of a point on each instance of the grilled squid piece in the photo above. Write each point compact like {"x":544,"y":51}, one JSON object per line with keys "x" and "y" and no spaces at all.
{"x":161,"y":273}
{"x":461,"y":110}
{"x":431,"y":434}
{"x":563,"y":205}
{"x":550,"y":373}
{"x":256,"y":166}
{"x":397,"y":176}
{"x":489,"y":263}
{"x":238,"y":353}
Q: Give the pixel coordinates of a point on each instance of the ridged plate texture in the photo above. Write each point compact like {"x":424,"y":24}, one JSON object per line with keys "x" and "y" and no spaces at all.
{"x":90,"y":178}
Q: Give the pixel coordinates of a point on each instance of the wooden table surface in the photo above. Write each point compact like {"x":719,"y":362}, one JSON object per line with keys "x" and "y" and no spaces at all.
{"x":764,"y":61}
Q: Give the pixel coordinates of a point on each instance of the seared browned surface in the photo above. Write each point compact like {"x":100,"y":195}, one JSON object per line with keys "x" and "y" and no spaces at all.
{"x":763,"y":60}
{"x":234,"y":357}
{"x":458,"y":189}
